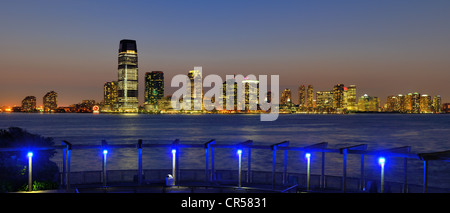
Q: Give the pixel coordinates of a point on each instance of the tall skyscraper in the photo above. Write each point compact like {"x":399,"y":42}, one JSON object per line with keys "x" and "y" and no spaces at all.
{"x":154,"y":88}
{"x":415,"y":103}
{"x":368,"y":104}
{"x":310,"y":96}
{"x":425,"y":103}
{"x":195,"y":78}
{"x":50,"y":103}
{"x":301,"y":96}
{"x":338,"y":96}
{"x":128,"y":77}
{"x":251,"y":96}
{"x":285,"y":96}
{"x":29,"y":104}
{"x":110,"y":96}
{"x":407,"y":104}
{"x":351,"y":98}
{"x":324,"y":100}
{"x":437,"y":104}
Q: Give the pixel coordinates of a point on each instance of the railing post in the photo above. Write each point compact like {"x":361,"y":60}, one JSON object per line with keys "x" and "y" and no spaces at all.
{"x":274,"y":148}
{"x":274,"y":163}
{"x":213,"y":170}
{"x":249,"y":165}
{"x":66,"y":163}
{"x":140,"y":173}
{"x":207,"y":148}
{"x":285,"y":167}
{"x":425,"y":176}
{"x":405,"y":183}
{"x":63,"y":177}
{"x":322,"y":175}
{"x":344,"y":170}
{"x":362,"y":178}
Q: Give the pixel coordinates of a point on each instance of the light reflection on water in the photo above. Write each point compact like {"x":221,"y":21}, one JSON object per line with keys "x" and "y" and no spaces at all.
{"x":425,"y":133}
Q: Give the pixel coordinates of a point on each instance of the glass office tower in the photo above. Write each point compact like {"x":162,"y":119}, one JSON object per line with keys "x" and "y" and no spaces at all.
{"x":128,"y":77}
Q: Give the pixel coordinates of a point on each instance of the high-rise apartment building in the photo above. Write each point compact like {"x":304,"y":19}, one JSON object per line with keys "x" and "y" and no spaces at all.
{"x":338,"y":96}
{"x":154,"y":88}
{"x":251,"y":91}
{"x":285,"y":96}
{"x":50,"y":103}
{"x":196,"y":81}
{"x":368,"y":104}
{"x":301,"y":96}
{"x":128,"y":77}
{"x":437,"y":105}
{"x":351,"y":98}
{"x":324,"y":100}
{"x":310,"y":96}
{"x":425,"y":103}
{"x":415,"y":103}
{"x":110,"y":96}
{"x":29,"y":104}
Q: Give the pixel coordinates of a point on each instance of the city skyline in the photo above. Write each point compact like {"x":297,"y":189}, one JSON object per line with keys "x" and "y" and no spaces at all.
{"x":385,"y":48}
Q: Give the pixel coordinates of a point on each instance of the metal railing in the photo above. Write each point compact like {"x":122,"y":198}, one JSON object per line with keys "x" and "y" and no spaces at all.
{"x":210,"y":172}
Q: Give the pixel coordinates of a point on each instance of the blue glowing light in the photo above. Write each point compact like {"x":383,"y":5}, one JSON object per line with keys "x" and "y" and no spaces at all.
{"x":308,"y":155}
{"x":381,"y":161}
{"x":239,"y":151}
{"x":174,"y":151}
{"x":105,"y":151}
{"x":30,"y":154}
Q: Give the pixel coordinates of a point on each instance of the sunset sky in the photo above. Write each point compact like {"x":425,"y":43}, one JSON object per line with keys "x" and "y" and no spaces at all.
{"x":384,"y":47}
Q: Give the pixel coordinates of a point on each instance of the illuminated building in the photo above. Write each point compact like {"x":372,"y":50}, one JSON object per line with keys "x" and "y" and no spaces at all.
{"x":231,"y":99}
{"x":390,"y":103}
{"x":396,"y":103}
{"x":128,"y":77}
{"x":154,"y":89}
{"x":368,"y":104}
{"x":50,"y":103}
{"x":338,"y":96}
{"x":195,"y":78}
{"x":436,"y":106}
{"x":286,"y":97}
{"x":415,"y":103}
{"x":425,"y":104}
{"x":301,"y":96}
{"x":407,"y":103}
{"x":110,"y":96}
{"x":446,"y":108}
{"x":399,"y":104}
{"x":351,"y":98}
{"x":29,"y":104}
{"x":251,"y":95}
{"x":310,"y":96}
{"x":324,"y":100}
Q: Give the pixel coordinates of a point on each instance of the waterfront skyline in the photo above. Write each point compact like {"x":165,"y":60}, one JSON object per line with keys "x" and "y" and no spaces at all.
{"x":385,"y":48}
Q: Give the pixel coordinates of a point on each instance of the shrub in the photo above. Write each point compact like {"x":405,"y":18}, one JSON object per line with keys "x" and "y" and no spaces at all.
{"x":14,"y":164}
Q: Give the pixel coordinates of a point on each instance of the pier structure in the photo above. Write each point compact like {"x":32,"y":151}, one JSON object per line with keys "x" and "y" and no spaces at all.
{"x":198,"y":180}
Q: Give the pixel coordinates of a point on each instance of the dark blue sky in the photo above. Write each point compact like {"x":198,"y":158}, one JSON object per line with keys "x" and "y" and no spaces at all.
{"x":384,"y":47}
